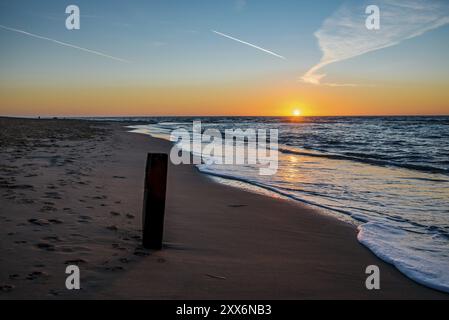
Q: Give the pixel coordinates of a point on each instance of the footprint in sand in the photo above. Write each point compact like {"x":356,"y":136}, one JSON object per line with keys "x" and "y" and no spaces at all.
{"x":113,"y":213}
{"x":84,"y":219}
{"x":26,"y":201}
{"x":76,"y":262}
{"x":52,"y":239}
{"x":46,"y":246}
{"x":215,"y":277}
{"x":174,"y":246}
{"x":118,"y":247}
{"x":114,"y":268}
{"x":54,"y":293}
{"x":31,"y":175}
{"x":47,"y":209}
{"x":130,"y":216}
{"x":139,"y":253}
{"x":6,"y":288}
{"x":125,"y":260}
{"x":68,"y":249}
{"x":21,"y":187}
{"x":38,"y":222}
{"x":237,"y":205}
{"x":37,"y":275}
{"x":52,"y":195}
{"x":55,"y":221}
{"x":112,"y":228}
{"x":77,"y":235}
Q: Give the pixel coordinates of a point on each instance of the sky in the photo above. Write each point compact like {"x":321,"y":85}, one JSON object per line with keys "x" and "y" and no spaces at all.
{"x":224,"y":57}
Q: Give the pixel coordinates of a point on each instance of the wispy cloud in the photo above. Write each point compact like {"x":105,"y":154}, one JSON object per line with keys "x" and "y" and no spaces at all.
{"x":249,"y":44}
{"x":64,"y":44}
{"x":344,"y":35}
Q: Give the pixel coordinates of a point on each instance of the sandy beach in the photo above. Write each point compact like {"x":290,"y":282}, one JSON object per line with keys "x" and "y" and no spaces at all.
{"x":71,"y":193}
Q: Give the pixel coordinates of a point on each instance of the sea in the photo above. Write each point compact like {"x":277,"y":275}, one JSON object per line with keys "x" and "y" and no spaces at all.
{"x":387,"y":175}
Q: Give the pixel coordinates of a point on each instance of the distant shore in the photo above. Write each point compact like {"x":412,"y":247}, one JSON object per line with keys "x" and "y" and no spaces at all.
{"x":71,"y":193}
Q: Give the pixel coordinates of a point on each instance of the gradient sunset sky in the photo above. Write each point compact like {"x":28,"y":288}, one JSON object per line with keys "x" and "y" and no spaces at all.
{"x":166,"y":60}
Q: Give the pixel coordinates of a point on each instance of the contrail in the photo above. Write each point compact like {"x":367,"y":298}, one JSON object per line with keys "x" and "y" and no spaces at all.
{"x":249,"y":44}
{"x":64,"y":44}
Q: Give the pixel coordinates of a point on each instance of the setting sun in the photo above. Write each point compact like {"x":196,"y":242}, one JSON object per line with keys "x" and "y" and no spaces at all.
{"x":297,"y":112}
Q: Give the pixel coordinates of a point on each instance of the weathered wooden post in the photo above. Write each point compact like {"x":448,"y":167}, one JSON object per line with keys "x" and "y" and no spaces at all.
{"x":154,"y":200}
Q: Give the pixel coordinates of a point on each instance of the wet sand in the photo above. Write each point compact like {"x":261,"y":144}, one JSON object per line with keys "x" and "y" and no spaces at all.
{"x":71,"y":193}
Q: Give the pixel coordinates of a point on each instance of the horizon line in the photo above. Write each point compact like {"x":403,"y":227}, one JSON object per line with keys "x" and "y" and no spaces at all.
{"x":61,"y":117}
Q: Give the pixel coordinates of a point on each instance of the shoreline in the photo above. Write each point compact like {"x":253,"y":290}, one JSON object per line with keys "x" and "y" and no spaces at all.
{"x":229,"y":245}
{"x":414,"y":257}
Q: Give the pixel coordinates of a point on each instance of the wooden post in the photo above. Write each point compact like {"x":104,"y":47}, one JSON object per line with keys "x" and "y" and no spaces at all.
{"x":154,"y":200}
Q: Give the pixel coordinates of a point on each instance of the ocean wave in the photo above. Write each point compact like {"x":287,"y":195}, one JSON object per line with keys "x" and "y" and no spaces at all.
{"x":392,"y":243}
{"x":399,"y":205}
{"x":383,"y":239}
{"x":206,"y":170}
{"x":368,"y":160}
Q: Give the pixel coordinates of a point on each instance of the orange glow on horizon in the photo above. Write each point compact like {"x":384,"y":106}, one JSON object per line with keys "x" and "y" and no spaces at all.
{"x":237,"y":99}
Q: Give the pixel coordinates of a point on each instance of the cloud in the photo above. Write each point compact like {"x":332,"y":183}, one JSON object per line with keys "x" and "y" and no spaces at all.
{"x":344,"y":35}
{"x":65,"y":44}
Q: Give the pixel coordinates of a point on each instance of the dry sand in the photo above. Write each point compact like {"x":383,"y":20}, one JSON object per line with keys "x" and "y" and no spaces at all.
{"x":71,"y":193}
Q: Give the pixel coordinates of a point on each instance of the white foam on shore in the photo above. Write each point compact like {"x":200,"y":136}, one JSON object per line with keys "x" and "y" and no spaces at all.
{"x":421,"y":253}
{"x":410,"y":253}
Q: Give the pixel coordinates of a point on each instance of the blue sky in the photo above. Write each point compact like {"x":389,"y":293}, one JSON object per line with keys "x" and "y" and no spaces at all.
{"x":171,"y":40}
{"x":165,"y":40}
